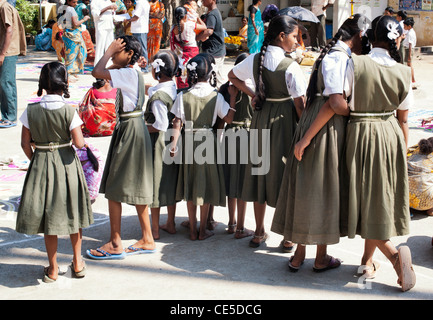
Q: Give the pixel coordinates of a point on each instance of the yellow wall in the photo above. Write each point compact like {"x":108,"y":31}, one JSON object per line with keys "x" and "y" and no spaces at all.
{"x":423,"y":24}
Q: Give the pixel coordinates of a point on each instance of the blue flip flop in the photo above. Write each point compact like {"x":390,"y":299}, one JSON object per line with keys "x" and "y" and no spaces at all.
{"x":7,"y":124}
{"x":106,"y":255}
{"x":135,"y":250}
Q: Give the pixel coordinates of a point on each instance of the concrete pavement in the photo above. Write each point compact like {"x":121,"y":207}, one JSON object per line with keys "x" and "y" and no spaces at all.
{"x":217,"y":268}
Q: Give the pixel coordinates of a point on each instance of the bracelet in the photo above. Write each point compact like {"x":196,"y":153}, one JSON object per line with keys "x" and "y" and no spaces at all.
{"x":173,"y":151}
{"x":234,"y":110}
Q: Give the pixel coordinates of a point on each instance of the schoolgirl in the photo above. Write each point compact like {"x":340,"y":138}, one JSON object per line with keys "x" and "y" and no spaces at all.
{"x":308,"y":207}
{"x":201,"y":178}
{"x":234,"y":164}
{"x":55,"y":199}
{"x":128,"y":172}
{"x":278,"y":101}
{"x":165,"y":66}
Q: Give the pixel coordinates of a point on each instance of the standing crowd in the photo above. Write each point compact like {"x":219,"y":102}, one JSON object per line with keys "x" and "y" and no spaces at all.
{"x":335,"y":148}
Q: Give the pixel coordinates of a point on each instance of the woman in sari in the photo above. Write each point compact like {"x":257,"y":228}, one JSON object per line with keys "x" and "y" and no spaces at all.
{"x":255,"y":27}
{"x":75,"y":47}
{"x":182,"y":41}
{"x":156,"y":16}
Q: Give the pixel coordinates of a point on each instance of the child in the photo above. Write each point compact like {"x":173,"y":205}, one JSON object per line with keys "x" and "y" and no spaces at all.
{"x":308,"y":207}
{"x":182,"y":41}
{"x":409,"y":44}
{"x":200,"y":183}
{"x":128,"y":172}
{"x":278,"y":101}
{"x":234,"y":172}
{"x":165,"y":66}
{"x":97,"y":110}
{"x":60,"y":203}
{"x":130,"y":8}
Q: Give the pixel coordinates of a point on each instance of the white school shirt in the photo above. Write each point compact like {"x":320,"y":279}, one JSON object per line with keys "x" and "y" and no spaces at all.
{"x":335,"y":66}
{"x":382,"y":57}
{"x":142,"y":8}
{"x":295,"y":79}
{"x":410,"y":39}
{"x":159,"y":109}
{"x":103,"y":21}
{"x":201,"y":89}
{"x":53,"y":102}
{"x":126,"y":79}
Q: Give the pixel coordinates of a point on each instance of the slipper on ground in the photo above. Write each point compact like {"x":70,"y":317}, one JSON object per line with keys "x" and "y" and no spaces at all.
{"x":106,"y":255}
{"x":135,"y":250}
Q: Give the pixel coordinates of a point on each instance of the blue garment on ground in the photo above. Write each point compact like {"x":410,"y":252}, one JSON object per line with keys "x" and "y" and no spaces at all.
{"x":43,"y":40}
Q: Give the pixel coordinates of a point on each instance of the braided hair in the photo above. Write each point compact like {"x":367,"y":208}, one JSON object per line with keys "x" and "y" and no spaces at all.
{"x":179,"y":14}
{"x":200,"y":69}
{"x":277,"y":25}
{"x":54,"y":78}
{"x":380,"y":33}
{"x":351,"y":27}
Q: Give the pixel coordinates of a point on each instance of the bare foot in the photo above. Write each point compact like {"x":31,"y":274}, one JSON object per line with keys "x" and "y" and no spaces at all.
{"x":206,"y":235}
{"x":169,"y":227}
{"x":231,"y":228}
{"x":243,"y":233}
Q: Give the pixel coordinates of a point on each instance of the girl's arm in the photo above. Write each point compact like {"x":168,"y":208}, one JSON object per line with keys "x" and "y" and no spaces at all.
{"x":241,"y":85}
{"x":76,"y":23}
{"x":299,"y":105}
{"x":409,"y":58}
{"x":336,"y":104}
{"x":77,"y":137}
{"x":177,"y":123}
{"x":233,"y":93}
{"x":100,"y":71}
{"x":200,"y":25}
{"x":26,"y":139}
{"x":252,"y":17}
{"x":402,"y":116}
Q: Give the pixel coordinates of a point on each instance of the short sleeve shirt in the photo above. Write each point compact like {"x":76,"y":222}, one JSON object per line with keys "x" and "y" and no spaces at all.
{"x":215,"y":44}
{"x":9,"y":17}
{"x":126,"y":79}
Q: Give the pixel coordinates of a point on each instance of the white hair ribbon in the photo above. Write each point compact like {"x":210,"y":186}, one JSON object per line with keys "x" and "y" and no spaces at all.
{"x":156,"y":64}
{"x":393,"y":30}
{"x":213,"y":65}
{"x":181,"y":65}
{"x":192,"y":66}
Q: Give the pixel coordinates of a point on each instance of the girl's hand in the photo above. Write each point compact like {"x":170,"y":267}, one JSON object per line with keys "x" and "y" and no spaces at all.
{"x":300,"y":147}
{"x":116,"y":46}
{"x":173,"y":151}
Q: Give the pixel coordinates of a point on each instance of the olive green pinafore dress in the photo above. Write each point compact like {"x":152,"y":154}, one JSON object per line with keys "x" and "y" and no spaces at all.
{"x":55,"y":199}
{"x":128,"y":172}
{"x":378,"y":199}
{"x":165,"y":172}
{"x":201,"y":177}
{"x":309,"y":204}
{"x":277,"y":121}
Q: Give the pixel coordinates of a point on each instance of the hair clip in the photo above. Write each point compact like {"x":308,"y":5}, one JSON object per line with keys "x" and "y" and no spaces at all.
{"x":393,"y":30}
{"x":157,"y":63}
{"x":192,"y":66}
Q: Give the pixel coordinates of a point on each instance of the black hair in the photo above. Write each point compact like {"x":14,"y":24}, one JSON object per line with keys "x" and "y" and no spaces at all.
{"x":390,"y":9}
{"x":179,"y":14}
{"x":277,"y":25}
{"x":99,"y":83}
{"x":351,"y":27}
{"x":203,"y":70}
{"x":171,"y":64}
{"x":379,"y":33}
{"x":54,"y":78}
{"x":409,"y":21}
{"x":131,"y":43}
{"x":402,"y":14}
{"x":426,"y":146}
{"x":253,"y":4}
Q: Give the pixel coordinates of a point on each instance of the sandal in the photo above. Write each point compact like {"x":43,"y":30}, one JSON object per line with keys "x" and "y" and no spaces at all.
{"x":7,"y":124}
{"x":369,"y":272}
{"x":231,"y":228}
{"x":332,"y":264}
{"x":47,"y":278}
{"x":407,"y":278}
{"x":81,"y":273}
{"x":261,"y":239}
{"x":287,"y":249}
{"x":243,"y":233}
{"x":292,"y":267}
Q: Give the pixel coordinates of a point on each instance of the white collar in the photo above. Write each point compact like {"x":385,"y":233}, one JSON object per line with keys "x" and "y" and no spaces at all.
{"x":275,"y":50}
{"x":52,"y":98}
{"x":380,"y":52}
{"x":344,"y":46}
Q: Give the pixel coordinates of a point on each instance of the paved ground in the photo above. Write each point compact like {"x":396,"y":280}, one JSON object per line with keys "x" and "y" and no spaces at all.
{"x":217,"y":268}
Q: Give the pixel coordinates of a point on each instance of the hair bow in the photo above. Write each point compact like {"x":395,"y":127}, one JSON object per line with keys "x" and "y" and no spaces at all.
{"x":192,"y":66}
{"x":157,"y":63}
{"x":393,"y":30}
{"x":212,"y":66}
